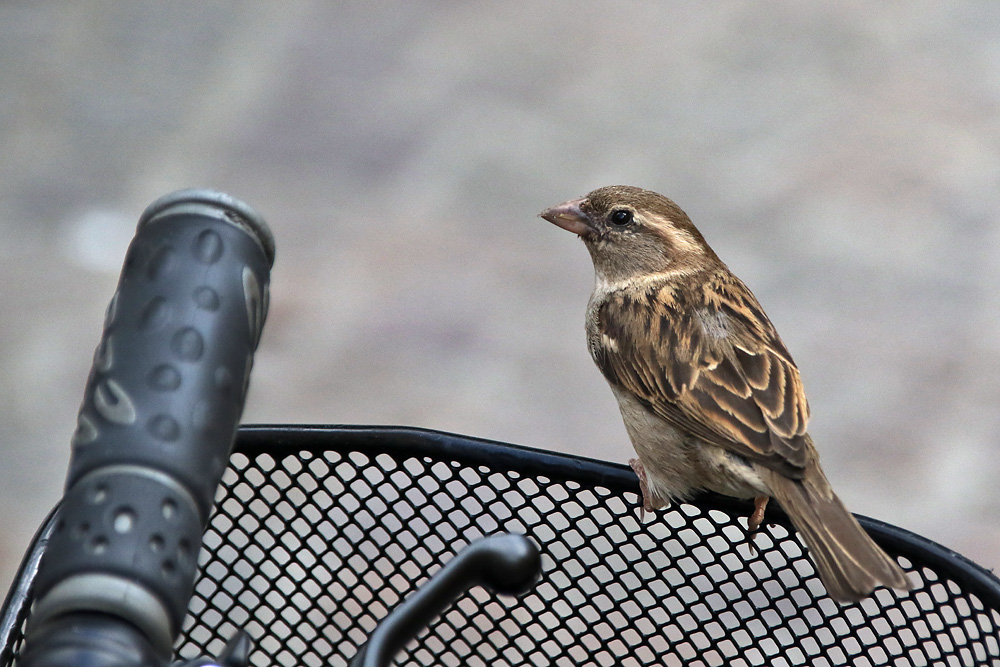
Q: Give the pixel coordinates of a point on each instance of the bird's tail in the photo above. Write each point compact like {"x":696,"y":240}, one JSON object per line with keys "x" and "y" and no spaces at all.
{"x":849,"y":563}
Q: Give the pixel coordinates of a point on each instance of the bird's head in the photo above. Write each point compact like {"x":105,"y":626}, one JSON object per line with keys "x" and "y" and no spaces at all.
{"x":631,"y":232}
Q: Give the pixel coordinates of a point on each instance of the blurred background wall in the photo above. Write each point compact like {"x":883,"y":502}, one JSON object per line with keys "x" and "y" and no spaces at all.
{"x":841,"y":157}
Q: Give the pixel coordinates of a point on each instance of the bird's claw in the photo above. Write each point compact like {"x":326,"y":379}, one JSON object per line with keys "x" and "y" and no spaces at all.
{"x":755,"y":520}
{"x":647,"y":501}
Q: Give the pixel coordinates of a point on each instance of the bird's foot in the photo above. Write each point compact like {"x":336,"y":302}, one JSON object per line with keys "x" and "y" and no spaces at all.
{"x":755,"y":520}
{"x":647,"y":499}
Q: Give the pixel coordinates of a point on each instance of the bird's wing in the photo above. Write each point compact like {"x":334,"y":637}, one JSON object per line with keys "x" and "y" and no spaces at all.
{"x":708,"y":361}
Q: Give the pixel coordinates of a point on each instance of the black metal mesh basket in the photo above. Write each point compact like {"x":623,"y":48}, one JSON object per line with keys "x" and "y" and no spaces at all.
{"x":319,"y":532}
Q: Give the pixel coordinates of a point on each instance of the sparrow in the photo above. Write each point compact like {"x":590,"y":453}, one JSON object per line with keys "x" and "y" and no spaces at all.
{"x":710,"y":396}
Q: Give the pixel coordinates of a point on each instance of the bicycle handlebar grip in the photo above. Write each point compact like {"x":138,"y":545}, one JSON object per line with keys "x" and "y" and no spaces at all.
{"x":159,"y":415}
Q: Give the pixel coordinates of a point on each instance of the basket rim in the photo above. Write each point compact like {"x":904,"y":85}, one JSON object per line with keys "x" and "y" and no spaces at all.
{"x":411,"y":441}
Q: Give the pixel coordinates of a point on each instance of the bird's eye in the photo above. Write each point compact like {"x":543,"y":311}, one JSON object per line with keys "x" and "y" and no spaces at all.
{"x":621,"y":217}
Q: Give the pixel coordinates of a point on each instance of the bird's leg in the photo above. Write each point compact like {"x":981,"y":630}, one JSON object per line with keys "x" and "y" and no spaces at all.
{"x":755,"y":520}
{"x":647,"y":501}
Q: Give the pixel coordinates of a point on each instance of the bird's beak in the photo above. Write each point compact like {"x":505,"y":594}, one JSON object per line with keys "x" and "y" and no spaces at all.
{"x":570,"y":217}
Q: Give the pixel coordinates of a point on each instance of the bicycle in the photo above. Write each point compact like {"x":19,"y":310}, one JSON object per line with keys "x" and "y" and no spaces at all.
{"x":183,"y":536}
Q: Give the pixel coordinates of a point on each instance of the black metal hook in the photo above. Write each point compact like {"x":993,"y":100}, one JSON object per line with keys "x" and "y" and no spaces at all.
{"x":508,"y":564}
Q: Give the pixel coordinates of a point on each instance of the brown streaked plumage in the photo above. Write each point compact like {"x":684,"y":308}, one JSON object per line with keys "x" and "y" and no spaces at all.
{"x":710,"y":396}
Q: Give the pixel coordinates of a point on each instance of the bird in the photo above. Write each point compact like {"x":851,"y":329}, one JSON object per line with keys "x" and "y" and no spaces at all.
{"x":709,"y":394}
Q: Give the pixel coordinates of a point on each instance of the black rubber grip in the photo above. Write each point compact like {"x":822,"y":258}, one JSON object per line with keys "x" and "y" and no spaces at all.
{"x":159,"y":415}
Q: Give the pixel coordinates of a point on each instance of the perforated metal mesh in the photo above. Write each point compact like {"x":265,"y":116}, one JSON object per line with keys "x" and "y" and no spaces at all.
{"x":319,"y":533}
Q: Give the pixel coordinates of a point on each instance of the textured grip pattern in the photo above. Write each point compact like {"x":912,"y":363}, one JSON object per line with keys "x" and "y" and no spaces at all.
{"x":159,"y":415}
{"x":170,"y":374}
